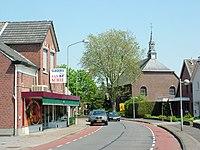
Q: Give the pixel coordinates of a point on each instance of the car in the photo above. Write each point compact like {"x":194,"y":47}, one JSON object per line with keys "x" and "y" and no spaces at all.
{"x":113,"y":116}
{"x":98,"y":116}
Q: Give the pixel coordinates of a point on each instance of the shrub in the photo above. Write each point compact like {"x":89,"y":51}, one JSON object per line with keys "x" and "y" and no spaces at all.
{"x":147,"y":115}
{"x":174,"y":119}
{"x":188,"y":115}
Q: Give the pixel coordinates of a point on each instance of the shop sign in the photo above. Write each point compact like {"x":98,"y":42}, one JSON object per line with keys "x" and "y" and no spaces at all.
{"x":58,"y":75}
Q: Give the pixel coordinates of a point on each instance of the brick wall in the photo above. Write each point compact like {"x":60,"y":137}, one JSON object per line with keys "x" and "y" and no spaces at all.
{"x":157,"y":84}
{"x":34,"y":52}
{"x":6,"y":93}
{"x":24,"y":83}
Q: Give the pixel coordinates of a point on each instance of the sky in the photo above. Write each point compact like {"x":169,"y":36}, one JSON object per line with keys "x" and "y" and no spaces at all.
{"x":176,"y":24}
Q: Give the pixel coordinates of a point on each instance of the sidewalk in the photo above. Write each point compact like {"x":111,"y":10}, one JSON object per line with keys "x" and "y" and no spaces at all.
{"x":189,"y":138}
{"x":34,"y":139}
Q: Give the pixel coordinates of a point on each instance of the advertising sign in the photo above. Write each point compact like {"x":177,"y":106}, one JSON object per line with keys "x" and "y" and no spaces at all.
{"x":121,"y":107}
{"x":58,"y":75}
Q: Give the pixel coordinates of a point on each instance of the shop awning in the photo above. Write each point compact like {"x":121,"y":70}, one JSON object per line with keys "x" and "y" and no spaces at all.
{"x":49,"y":98}
{"x":52,"y":101}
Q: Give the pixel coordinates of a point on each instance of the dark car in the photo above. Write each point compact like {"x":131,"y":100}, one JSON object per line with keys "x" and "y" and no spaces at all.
{"x":98,"y":116}
{"x":113,"y":116}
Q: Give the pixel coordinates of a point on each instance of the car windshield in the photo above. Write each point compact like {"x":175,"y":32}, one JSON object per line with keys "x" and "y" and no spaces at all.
{"x":99,"y":112}
{"x":113,"y":114}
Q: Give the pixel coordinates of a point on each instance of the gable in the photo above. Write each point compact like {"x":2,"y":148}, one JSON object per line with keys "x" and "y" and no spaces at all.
{"x":29,"y":32}
{"x":14,"y":56}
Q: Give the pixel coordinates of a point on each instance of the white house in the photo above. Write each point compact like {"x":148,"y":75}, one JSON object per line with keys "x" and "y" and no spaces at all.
{"x":196,"y":89}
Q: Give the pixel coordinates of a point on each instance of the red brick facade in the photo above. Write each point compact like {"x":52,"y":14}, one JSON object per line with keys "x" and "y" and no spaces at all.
{"x":6,"y":93}
{"x":17,"y":78}
{"x":156,"y":83}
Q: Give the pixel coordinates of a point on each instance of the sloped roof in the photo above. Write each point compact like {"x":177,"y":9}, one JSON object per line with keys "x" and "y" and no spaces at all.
{"x":153,"y":65}
{"x":27,"y":32}
{"x":14,"y":56}
{"x":190,"y":65}
{"x":1,"y":26}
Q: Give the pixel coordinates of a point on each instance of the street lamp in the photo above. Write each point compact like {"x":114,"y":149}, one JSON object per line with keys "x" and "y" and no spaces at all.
{"x":134,"y":107}
{"x":83,"y":41}
{"x":186,"y":82}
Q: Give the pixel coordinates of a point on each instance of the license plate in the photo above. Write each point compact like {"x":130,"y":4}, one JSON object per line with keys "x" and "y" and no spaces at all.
{"x":99,"y":120}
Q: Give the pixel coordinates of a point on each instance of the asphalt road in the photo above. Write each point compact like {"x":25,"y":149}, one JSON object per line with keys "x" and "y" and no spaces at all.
{"x":117,"y":135}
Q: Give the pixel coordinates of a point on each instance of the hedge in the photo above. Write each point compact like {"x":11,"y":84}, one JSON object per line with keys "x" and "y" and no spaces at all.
{"x":142,"y":108}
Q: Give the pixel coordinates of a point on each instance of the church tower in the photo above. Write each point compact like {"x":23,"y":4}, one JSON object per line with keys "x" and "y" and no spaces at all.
{"x":152,"y":52}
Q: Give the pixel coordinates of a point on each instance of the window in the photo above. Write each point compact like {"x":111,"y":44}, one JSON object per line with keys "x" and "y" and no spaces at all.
{"x":143,"y":91}
{"x":45,"y":59}
{"x":197,"y":86}
{"x":52,"y":60}
{"x":172,"y":91}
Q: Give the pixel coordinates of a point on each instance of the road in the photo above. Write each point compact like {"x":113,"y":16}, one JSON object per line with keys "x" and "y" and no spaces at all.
{"x":124,"y":135}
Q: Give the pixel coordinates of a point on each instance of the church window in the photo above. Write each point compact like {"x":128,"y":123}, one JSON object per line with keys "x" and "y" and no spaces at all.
{"x":143,"y":91}
{"x":172,"y":91}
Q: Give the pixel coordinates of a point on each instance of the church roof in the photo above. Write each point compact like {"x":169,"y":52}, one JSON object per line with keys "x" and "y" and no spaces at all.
{"x":151,"y":63}
{"x":154,"y":65}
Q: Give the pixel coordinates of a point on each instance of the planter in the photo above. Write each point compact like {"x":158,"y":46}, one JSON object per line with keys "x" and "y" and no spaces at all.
{"x":187,"y":123}
{"x":196,"y":124}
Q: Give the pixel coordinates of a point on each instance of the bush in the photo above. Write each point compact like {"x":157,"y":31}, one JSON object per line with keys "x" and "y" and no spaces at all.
{"x":122,"y":113}
{"x":147,"y":116}
{"x":174,"y":119}
{"x":145,"y":108}
{"x":188,"y":115}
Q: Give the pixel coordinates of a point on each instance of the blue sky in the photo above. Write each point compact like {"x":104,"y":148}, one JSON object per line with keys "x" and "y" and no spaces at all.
{"x":176,"y":24}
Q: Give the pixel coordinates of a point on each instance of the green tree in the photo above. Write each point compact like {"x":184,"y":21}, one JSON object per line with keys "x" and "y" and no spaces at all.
{"x":81,"y":84}
{"x":110,"y":56}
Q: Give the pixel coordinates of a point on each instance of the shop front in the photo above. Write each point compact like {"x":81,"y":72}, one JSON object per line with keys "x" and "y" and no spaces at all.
{"x":44,"y":110}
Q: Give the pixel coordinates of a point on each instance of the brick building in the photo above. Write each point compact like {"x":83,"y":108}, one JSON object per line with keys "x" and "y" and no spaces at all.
{"x":187,"y":71}
{"x":157,"y":82}
{"x":29,"y":102}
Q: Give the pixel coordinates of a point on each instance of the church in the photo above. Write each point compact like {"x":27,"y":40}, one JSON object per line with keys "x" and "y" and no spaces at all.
{"x":157,"y":82}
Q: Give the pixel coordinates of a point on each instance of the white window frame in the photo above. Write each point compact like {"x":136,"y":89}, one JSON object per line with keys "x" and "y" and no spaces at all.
{"x":52,"y":54}
{"x":172,"y":91}
{"x":45,"y":57}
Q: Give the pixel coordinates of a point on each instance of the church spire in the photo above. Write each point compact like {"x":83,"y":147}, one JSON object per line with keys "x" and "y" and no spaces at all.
{"x":152,"y":52}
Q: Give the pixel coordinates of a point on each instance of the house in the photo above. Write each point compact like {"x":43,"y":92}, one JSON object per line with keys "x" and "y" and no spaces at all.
{"x":195,"y":80}
{"x":187,"y":96}
{"x":29,"y":102}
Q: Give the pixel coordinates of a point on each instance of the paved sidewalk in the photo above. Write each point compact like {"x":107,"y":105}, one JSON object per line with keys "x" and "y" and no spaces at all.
{"x":189,"y":138}
{"x":23,"y":142}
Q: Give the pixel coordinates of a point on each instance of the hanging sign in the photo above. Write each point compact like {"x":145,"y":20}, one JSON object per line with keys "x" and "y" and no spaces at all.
{"x":58,"y":75}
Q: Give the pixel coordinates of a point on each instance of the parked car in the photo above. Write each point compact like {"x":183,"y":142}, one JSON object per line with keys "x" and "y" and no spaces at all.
{"x":113,"y":116}
{"x":98,"y":116}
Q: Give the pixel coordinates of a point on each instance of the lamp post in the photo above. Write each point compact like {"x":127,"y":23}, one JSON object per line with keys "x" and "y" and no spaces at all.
{"x":186,"y":82}
{"x":134,"y":107}
{"x":83,"y":41}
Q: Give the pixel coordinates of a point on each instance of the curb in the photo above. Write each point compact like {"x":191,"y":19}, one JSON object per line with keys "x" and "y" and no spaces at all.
{"x":176,"y":136}
{"x":171,"y":132}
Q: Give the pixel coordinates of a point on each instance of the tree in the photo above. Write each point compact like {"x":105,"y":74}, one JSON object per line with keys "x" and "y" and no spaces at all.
{"x":110,"y":57}
{"x":81,"y":84}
